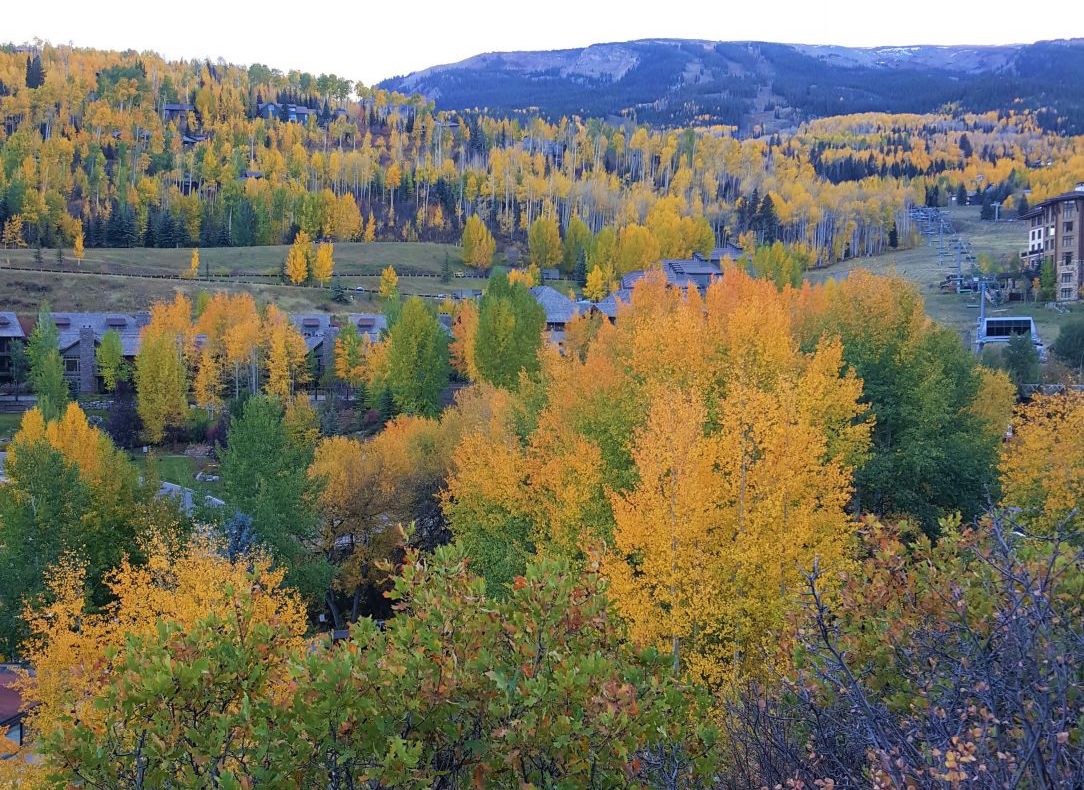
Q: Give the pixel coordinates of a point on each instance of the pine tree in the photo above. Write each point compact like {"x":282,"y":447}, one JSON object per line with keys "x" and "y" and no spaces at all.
{"x":580,"y":275}
{"x":35,"y":74}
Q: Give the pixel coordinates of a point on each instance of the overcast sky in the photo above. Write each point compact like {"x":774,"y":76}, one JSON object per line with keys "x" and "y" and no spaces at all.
{"x":370,"y":41}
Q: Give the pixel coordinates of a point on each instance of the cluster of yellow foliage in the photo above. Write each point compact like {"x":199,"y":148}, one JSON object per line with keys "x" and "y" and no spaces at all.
{"x":698,"y":442}
{"x":1042,"y":467}
{"x":74,"y":651}
{"x":73,"y":437}
{"x":260,"y":348}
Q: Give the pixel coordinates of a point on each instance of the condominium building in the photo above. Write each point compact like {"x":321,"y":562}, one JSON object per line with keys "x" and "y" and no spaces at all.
{"x":1055,"y":235}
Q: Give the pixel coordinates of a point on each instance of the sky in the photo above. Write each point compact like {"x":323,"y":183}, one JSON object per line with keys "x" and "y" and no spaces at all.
{"x":367,"y":41}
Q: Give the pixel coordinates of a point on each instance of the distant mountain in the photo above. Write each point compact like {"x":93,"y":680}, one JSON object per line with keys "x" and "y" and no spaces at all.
{"x":668,"y":81}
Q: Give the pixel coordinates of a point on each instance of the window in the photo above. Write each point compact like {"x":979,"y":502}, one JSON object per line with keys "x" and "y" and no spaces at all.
{"x":1067,"y":227}
{"x":1070,"y":209}
{"x":1066,"y":293}
{"x":71,"y":365}
{"x":1068,"y":259}
{"x":1067,"y":241}
{"x":1067,"y":277}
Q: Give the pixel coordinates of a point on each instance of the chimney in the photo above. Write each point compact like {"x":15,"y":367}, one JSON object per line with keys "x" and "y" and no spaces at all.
{"x":88,"y":363}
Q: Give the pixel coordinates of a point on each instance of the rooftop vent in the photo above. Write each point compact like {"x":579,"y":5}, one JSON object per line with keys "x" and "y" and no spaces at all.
{"x":116,"y":320}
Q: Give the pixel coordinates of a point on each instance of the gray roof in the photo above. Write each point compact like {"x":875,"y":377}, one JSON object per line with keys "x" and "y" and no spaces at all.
{"x":559,"y":308}
{"x":610,"y":305}
{"x":728,"y":250}
{"x":681,"y":273}
{"x":9,"y":326}
{"x":129,"y":327}
{"x":371,"y":324}
{"x":312,"y":326}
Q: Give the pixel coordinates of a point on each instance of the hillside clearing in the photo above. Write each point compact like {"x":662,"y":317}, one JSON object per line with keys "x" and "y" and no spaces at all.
{"x":960,"y":312}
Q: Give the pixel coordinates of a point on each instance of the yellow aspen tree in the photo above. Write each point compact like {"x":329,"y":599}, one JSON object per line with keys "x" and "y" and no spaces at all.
{"x":389,"y":283}
{"x":478,"y":243}
{"x":370,"y":229}
{"x":757,"y":492}
{"x":167,"y":346}
{"x":1042,"y":466}
{"x":360,"y":498}
{"x":464,"y":332}
{"x":161,"y":385}
{"x":78,"y":251}
{"x":528,"y":277}
{"x":350,"y":353}
{"x":72,"y":436}
{"x":667,"y":531}
{"x":193,"y":265}
{"x":13,"y":232}
{"x":544,"y":242}
{"x":297,"y":259}
{"x":324,"y":265}
{"x":207,"y":384}
{"x":596,"y":287}
{"x":180,"y":586}
{"x":285,"y":352}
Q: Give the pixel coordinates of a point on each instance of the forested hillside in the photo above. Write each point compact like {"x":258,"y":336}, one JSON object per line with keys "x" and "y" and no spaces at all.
{"x":121,"y":149}
{"x":759,"y":85}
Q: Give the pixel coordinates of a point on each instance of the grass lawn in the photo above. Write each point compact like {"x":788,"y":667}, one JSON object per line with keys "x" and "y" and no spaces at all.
{"x":23,"y":292}
{"x":1001,"y":240}
{"x":350,"y":258}
{"x":9,"y":424}
{"x":179,"y":469}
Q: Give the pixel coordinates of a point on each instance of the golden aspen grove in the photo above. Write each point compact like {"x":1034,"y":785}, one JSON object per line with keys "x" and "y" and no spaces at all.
{"x":541,"y":450}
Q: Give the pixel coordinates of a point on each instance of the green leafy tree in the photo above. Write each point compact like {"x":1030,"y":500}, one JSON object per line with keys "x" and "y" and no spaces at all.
{"x":110,"y":357}
{"x":544,"y":242}
{"x":580,"y":273}
{"x":1069,"y":347}
{"x":1047,"y":280}
{"x":538,"y":689}
{"x":1021,"y":361}
{"x":509,"y":335}
{"x":161,"y":379}
{"x":20,"y":367}
{"x":577,"y":242}
{"x":418,"y":368}
{"x":264,"y":475}
{"x":41,"y":509}
{"x":930,"y":454}
{"x":46,"y":366}
{"x":70,"y":491}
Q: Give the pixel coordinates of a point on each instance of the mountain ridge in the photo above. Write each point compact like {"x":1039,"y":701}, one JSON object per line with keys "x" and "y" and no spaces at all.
{"x":755,"y":83}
